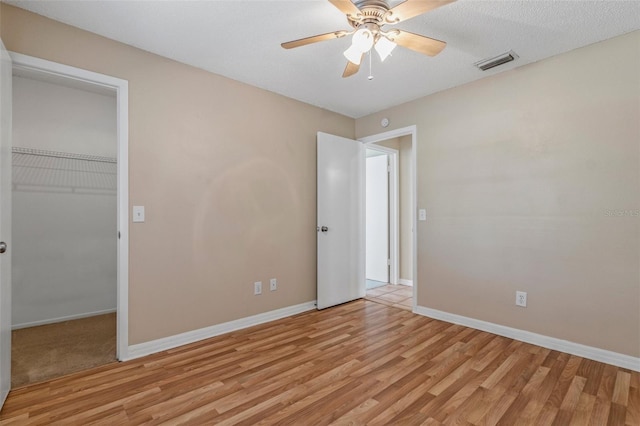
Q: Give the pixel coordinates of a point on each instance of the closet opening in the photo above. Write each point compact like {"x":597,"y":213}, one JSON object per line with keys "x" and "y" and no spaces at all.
{"x":64,"y":225}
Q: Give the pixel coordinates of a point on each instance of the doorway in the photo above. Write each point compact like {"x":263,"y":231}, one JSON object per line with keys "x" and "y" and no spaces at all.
{"x":63,"y":228}
{"x":341,"y":219}
{"x":396,"y":148}
{"x":379,"y":186}
{"x":70,"y":216}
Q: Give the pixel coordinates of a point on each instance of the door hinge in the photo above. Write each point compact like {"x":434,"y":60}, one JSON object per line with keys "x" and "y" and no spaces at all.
{"x":118,"y":234}
{"x":388,"y":262}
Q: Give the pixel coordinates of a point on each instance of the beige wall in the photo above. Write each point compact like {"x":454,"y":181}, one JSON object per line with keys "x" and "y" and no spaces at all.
{"x":226,"y":172}
{"x":393,"y":143}
{"x":523,"y":176}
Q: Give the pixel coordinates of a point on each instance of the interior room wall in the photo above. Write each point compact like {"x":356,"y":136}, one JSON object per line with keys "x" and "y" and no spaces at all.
{"x":393,"y":143}
{"x":56,"y":117}
{"x":227,"y":175}
{"x":530,"y":179}
{"x":64,"y":251}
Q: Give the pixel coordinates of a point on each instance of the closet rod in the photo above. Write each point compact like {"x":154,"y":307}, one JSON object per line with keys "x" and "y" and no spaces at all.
{"x":68,"y":155}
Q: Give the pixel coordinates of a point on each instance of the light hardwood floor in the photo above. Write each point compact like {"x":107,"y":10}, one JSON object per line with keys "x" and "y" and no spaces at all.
{"x":358,"y":363}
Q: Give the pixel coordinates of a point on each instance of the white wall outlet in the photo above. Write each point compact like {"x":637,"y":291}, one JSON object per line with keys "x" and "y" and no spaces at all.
{"x":422,"y":214}
{"x":273,"y":284}
{"x":138,"y":213}
{"x":257,"y":287}
{"x":521,"y":298}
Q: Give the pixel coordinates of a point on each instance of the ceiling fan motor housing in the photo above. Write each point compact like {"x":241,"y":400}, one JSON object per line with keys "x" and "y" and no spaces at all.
{"x":371,"y":12}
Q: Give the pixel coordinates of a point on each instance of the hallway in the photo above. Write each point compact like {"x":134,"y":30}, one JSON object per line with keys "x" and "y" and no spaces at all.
{"x":398,"y":296}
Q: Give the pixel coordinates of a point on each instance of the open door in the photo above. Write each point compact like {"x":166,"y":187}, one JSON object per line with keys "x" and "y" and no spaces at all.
{"x":5,"y":223}
{"x":340,"y":207}
{"x":377,"y":219}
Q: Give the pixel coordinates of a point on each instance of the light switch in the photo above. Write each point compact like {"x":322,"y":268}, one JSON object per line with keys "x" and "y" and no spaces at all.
{"x":422,"y":214}
{"x":138,"y":213}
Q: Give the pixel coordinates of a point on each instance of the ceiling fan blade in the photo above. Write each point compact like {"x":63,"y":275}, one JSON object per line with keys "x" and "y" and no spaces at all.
{"x":351,"y":68}
{"x":314,"y":39}
{"x":421,"y":44}
{"x":346,"y":7}
{"x":410,"y":8}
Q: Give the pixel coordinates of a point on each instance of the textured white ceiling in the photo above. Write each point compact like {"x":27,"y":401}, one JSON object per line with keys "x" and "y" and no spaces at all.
{"x":241,"y":39}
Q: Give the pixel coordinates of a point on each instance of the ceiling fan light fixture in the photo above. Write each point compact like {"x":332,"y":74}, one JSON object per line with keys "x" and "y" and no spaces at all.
{"x":384,"y":47}
{"x":361,"y":42}
{"x":353,"y":55}
{"x":367,"y":18}
{"x":362,"y":39}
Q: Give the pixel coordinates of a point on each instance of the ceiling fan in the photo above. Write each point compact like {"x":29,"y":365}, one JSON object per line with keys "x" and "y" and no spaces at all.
{"x":367,"y":17}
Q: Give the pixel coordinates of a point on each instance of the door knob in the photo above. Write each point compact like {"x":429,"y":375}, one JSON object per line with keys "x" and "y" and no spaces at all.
{"x":324,"y":229}
{"x":3,"y":247}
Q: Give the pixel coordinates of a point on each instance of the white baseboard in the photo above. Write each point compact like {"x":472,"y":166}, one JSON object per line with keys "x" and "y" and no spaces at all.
{"x":148,"y":348}
{"x":402,"y":281}
{"x":61,"y":319}
{"x":596,"y":354}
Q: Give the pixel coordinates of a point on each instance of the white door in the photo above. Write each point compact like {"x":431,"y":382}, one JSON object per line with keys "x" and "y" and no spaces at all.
{"x":340,"y":220}
{"x":377,"y":218}
{"x":5,"y":223}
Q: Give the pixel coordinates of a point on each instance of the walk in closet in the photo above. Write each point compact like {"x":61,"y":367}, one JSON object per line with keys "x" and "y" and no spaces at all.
{"x":64,"y":206}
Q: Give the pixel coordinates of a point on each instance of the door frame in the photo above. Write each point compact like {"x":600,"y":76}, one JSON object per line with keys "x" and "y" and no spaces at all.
{"x":391,"y":134}
{"x":394,"y":209}
{"x":121,"y":88}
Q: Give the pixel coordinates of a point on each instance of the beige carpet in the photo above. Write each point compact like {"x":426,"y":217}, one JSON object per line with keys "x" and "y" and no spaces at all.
{"x":53,"y":350}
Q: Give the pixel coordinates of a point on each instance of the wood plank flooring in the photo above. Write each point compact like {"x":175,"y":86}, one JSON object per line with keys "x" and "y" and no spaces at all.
{"x":358,"y":363}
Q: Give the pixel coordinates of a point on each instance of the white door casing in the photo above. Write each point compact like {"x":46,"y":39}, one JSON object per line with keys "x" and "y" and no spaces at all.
{"x":377,"y":218}
{"x":405,"y":131}
{"x":340,"y":220}
{"x":121,"y":88}
{"x":5,"y":222}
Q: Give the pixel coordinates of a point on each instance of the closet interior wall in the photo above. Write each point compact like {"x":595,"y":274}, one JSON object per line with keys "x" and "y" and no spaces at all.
{"x":64,"y":202}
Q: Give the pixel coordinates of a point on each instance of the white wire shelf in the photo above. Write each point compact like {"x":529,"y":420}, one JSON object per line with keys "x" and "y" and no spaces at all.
{"x":36,"y":169}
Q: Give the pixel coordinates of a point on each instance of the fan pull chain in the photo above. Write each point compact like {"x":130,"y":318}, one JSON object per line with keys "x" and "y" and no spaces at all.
{"x":370,"y":66}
